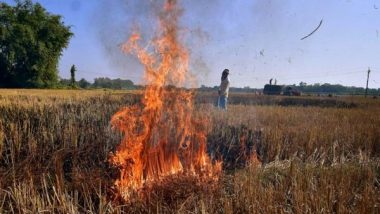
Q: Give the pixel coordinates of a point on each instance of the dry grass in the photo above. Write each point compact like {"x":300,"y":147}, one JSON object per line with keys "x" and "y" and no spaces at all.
{"x":317,"y":159}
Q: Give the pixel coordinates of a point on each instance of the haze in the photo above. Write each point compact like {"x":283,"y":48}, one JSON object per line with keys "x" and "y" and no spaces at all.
{"x":257,"y":39}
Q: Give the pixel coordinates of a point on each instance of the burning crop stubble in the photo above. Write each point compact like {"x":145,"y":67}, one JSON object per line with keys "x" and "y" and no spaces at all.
{"x":164,"y":137}
{"x":55,"y":145}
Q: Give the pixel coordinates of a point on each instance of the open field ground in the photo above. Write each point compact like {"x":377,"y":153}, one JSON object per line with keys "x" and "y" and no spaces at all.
{"x":313,"y":155}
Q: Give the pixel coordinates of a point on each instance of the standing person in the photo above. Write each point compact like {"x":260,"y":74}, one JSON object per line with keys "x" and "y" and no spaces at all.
{"x":223,"y":90}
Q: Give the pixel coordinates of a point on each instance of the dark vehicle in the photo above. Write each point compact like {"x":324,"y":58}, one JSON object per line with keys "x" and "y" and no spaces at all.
{"x":291,"y":91}
{"x":272,"y":89}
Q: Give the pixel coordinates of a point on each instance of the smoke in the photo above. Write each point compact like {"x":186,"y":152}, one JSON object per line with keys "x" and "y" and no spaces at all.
{"x":115,"y":20}
{"x":206,"y":25}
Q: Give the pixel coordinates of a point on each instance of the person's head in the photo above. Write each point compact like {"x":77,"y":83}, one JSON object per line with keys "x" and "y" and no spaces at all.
{"x":225,"y":74}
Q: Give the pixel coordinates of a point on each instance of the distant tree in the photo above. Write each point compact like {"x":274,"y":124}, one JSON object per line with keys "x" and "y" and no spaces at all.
{"x":31,"y":43}
{"x":303,"y":84}
{"x":72,"y":73}
{"x":102,"y":82}
{"x":64,"y":82}
{"x":84,"y":83}
{"x":105,"y":82}
{"x":327,"y":88}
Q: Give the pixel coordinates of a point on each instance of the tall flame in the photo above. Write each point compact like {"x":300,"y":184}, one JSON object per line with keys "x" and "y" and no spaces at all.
{"x":162,"y":136}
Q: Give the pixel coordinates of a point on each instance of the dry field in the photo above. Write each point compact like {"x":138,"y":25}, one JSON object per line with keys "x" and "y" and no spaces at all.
{"x":314,"y":155}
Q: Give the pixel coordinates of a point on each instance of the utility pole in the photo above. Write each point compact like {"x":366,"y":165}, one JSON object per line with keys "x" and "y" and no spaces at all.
{"x":366,"y":88}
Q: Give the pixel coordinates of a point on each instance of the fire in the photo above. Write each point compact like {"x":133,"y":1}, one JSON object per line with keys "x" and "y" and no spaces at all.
{"x":162,"y":137}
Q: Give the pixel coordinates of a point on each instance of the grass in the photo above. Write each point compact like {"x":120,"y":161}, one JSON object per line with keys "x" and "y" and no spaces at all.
{"x":319,"y":155}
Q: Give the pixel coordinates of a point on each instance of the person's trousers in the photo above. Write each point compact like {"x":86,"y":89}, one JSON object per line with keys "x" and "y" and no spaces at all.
{"x":222,"y":102}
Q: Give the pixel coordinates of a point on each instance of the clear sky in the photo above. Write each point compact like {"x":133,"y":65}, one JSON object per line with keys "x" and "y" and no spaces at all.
{"x":256,"y":39}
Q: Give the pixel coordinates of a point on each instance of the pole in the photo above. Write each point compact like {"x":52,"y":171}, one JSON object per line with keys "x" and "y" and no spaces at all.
{"x":366,"y":88}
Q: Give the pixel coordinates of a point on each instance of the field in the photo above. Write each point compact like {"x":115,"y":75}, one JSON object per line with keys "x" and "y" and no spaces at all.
{"x":310,"y":155}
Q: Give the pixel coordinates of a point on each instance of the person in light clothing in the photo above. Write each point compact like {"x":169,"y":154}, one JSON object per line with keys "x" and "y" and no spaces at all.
{"x":223,"y":90}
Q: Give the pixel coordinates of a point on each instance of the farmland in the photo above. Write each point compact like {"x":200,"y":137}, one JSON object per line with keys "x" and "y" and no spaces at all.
{"x":311,"y":155}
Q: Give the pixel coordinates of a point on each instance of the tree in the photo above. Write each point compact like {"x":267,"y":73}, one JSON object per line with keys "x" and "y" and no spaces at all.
{"x":104,"y":82}
{"x":72,"y":72}
{"x":65,"y":83}
{"x":31,"y":43}
{"x":84,"y":83}
{"x":303,"y":84}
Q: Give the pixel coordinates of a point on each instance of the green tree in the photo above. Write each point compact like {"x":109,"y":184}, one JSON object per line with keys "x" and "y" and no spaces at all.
{"x":72,"y":72}
{"x":105,"y":82}
{"x":31,"y":43}
{"x":303,"y":84}
{"x":64,"y":83}
{"x":83,"y":83}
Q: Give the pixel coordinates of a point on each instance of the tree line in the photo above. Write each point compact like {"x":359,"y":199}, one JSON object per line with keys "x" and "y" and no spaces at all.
{"x":316,"y":88}
{"x":100,"y":82}
{"x":338,"y":89}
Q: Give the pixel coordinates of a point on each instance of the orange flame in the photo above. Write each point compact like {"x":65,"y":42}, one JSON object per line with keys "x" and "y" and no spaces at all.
{"x":162,"y":137}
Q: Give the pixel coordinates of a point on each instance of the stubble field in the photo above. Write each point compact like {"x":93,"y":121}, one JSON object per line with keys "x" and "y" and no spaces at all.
{"x":310,"y":155}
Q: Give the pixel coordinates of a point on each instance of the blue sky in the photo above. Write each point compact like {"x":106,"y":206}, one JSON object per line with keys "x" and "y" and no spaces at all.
{"x":256,"y":39}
